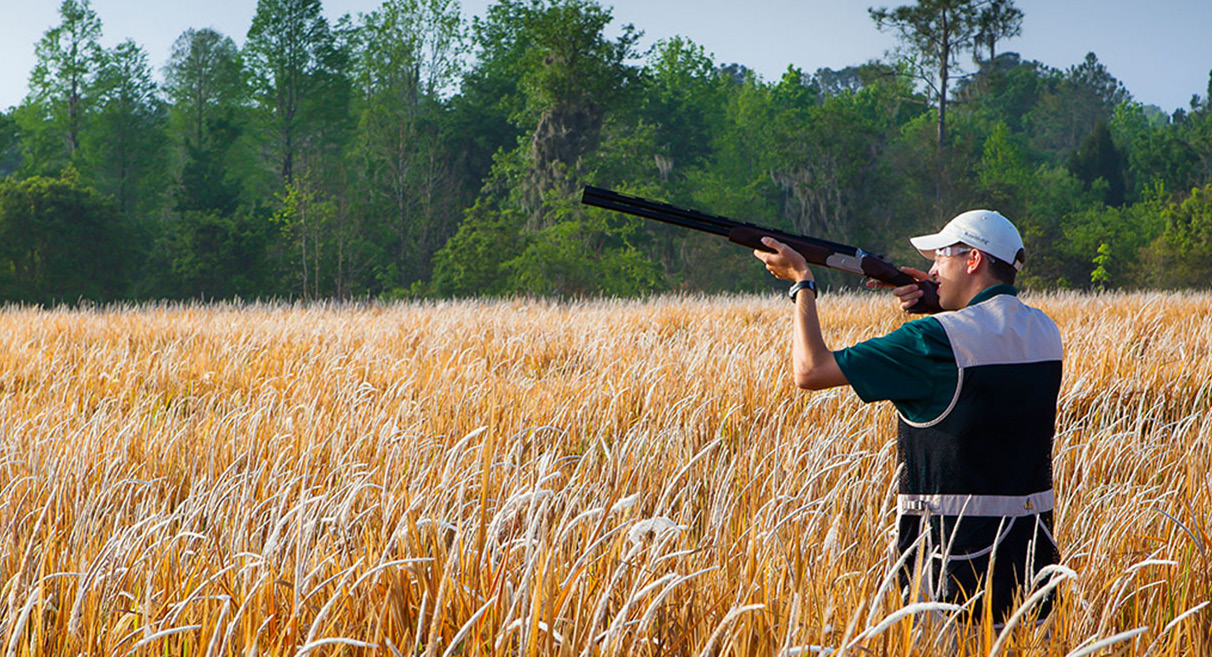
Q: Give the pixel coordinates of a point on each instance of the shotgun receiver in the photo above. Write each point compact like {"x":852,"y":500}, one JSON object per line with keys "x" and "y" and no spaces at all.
{"x":816,"y":251}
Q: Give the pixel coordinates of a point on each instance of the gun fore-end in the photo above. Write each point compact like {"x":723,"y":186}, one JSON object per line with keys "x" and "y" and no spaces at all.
{"x":814,"y":254}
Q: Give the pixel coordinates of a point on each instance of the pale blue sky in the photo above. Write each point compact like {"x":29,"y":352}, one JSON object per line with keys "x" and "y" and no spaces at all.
{"x":1159,"y":49}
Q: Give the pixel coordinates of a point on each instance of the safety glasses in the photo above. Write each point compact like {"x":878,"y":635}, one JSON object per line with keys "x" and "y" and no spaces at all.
{"x":954,"y":250}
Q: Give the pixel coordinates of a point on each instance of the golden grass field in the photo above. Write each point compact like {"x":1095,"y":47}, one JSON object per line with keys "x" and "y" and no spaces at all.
{"x":541,"y":478}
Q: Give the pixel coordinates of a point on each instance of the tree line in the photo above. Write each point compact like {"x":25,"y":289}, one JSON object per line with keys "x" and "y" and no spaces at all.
{"x":407,"y":153}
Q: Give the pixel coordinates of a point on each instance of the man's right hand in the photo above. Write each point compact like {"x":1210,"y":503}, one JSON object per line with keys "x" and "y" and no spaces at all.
{"x":906,"y":294}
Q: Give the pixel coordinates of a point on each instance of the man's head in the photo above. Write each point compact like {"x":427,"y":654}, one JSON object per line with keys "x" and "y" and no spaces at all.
{"x":974,"y":250}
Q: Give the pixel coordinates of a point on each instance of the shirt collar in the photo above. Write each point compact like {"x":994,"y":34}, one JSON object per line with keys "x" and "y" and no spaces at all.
{"x":993,"y":291}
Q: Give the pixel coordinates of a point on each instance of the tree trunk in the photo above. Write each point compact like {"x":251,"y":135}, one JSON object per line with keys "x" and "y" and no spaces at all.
{"x":943,"y":77}
{"x":73,"y":116}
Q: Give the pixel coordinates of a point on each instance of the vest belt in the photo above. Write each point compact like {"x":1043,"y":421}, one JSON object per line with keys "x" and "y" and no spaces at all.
{"x":976,"y":505}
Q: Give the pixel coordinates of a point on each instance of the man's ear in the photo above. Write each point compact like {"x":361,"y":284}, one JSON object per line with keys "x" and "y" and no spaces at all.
{"x":975,"y":258}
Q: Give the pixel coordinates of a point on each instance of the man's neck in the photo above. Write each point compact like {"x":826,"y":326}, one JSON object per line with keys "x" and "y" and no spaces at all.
{"x":976,"y":285}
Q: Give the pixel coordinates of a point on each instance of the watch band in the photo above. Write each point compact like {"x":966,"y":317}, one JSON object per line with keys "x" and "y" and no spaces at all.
{"x":802,"y":285}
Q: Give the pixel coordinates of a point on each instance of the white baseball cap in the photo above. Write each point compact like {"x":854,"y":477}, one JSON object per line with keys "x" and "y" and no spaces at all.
{"x":984,"y":230}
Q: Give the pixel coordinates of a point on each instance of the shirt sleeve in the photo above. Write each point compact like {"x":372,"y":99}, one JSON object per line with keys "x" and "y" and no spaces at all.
{"x":912,"y":366}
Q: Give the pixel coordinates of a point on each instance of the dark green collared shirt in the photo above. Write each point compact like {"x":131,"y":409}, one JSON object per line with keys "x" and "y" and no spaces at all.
{"x":913,"y":366}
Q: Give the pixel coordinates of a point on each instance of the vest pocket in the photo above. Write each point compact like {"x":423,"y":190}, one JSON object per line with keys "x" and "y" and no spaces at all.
{"x":973,"y":538}
{"x":968,"y":554}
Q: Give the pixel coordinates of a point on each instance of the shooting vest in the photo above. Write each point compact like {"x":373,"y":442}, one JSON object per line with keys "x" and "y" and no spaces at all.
{"x":987,"y":458}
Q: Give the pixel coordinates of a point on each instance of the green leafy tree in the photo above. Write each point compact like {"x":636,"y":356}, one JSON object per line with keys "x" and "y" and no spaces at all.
{"x":1182,"y":255}
{"x":1005,"y":175}
{"x":60,"y":241}
{"x":1155,"y":149}
{"x":485,"y":115}
{"x":472,"y":263}
{"x":834,"y":83}
{"x":1100,"y":277}
{"x":656,"y":145}
{"x":299,"y":66}
{"x":305,"y":221}
{"x":210,"y":255}
{"x":213,"y":246}
{"x":407,"y":54}
{"x":296,"y":66}
{"x":830,"y":157}
{"x":571,"y":61}
{"x":1097,"y":158}
{"x":1056,"y":197}
{"x":730,"y":175}
{"x":209,"y":247}
{"x":536,"y":59}
{"x":53,"y":115}
{"x":209,"y":123}
{"x":1004,"y":89}
{"x":570,"y":76}
{"x":127,"y":140}
{"x":585,"y":253}
{"x":937,"y":32}
{"x":204,"y":80}
{"x":1194,"y":129}
{"x":10,"y":145}
{"x":822,"y":154}
{"x":997,"y":20}
{"x":738,"y":172}
{"x":683,"y":100}
{"x":1069,"y":111}
{"x":208,"y":181}
{"x":1111,"y":239}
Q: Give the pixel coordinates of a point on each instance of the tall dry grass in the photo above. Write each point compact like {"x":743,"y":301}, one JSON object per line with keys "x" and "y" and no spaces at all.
{"x":533,"y":478}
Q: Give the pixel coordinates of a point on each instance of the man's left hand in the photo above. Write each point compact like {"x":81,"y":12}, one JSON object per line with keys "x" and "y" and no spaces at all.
{"x":907,"y":295}
{"x":785,"y":263}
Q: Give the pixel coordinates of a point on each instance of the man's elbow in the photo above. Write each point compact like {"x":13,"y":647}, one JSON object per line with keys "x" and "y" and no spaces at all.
{"x":819,"y":376}
{"x":812,"y":379}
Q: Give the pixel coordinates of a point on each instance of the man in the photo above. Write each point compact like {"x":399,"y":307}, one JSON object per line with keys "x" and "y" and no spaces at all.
{"x":976,"y":389}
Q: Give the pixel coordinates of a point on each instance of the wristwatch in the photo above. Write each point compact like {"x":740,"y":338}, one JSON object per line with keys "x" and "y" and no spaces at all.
{"x":802,"y":285}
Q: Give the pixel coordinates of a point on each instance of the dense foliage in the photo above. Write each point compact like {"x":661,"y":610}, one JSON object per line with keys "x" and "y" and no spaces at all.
{"x":406,"y":153}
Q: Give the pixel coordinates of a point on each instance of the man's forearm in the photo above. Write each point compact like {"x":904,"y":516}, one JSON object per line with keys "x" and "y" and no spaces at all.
{"x":813,"y":364}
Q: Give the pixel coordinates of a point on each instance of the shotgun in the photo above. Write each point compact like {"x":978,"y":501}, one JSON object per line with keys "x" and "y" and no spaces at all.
{"x":816,"y":251}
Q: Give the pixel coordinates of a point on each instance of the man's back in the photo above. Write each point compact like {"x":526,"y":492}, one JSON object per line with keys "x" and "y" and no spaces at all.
{"x":995,"y":435}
